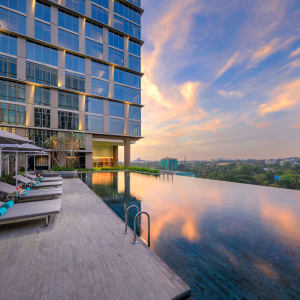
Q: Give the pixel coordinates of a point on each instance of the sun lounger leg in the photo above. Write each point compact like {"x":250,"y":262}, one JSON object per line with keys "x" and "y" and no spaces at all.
{"x":47,"y":220}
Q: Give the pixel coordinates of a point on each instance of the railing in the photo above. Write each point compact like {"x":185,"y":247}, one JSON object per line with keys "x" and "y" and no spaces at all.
{"x":126,"y":215}
{"x":138,"y":215}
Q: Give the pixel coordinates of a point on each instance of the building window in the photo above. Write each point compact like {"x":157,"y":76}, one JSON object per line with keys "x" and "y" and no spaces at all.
{"x":116,"y":40}
{"x":8,"y":66}
{"x":42,"y":11}
{"x":41,"y":53}
{"x":68,"y":101}
{"x":13,"y":21}
{"x":99,"y":14}
{"x":94,"y":105}
{"x":75,"y":82}
{"x":77,"y":5}
{"x":134,"y":112}
{"x":68,"y":21}
{"x":94,"y":123}
{"x":135,"y":2}
{"x":94,"y":32}
{"x":41,"y":96}
{"x":103,"y":3}
{"x":68,"y":120}
{"x":68,"y":40}
{"x":134,"y":128}
{"x":115,"y":56}
{"x":116,"y":109}
{"x":127,"y":94}
{"x":41,"y":74}
{"x":127,"y":27}
{"x":99,"y":70}
{"x":99,"y":87}
{"x":94,"y":49}
{"x":116,"y":126}
{"x":41,"y":117}
{"x":12,"y":91}
{"x":40,"y":137}
{"x":42,"y":31}
{"x":19,"y":5}
{"x":127,"y":12}
{"x":134,"y":48}
{"x":12,"y":114}
{"x":8,"y":44}
{"x":127,"y":78}
{"x":75,"y":63}
{"x":134,"y":63}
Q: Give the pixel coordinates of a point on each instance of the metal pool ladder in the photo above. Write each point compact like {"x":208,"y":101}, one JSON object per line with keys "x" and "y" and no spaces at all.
{"x":126,"y":215}
{"x":138,"y":215}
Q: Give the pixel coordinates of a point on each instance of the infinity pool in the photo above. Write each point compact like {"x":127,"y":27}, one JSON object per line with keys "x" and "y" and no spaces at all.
{"x":226,"y":240}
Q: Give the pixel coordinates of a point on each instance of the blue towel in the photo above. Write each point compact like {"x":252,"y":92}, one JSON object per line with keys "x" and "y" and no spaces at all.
{"x":2,"y":210}
{"x":9,"y":204}
{"x":27,"y":189}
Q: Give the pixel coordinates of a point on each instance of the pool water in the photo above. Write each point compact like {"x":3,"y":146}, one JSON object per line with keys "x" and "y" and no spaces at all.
{"x":225,"y":240}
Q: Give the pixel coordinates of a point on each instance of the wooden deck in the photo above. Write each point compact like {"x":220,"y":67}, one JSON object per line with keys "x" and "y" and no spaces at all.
{"x":82,"y":254}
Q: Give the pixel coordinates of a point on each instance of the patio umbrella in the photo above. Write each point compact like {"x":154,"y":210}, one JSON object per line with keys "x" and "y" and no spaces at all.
{"x":9,"y":138}
{"x":15,"y":148}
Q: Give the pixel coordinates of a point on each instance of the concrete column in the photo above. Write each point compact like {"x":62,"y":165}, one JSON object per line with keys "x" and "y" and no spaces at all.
{"x":88,"y":160}
{"x":30,"y":105}
{"x":54,"y":109}
{"x":81,"y":120}
{"x":111,"y":81}
{"x":126,"y":153}
{"x":115,"y":156}
{"x":88,"y":147}
{"x":111,"y":12}
{"x":88,"y":8}
{"x":88,"y":84}
{"x":126,"y":119}
{"x":126,"y":59}
{"x":30,"y":10}
{"x":21,"y":59}
{"x":21,"y":132}
{"x":54,"y":25}
{"x":81,"y":35}
{"x":105,"y":44}
{"x":61,"y":68}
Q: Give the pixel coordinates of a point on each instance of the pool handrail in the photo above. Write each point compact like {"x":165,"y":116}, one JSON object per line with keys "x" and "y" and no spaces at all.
{"x":126,"y":215}
{"x":138,"y":215}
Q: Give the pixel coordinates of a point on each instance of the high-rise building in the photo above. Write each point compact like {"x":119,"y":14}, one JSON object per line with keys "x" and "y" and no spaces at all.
{"x":169,"y":164}
{"x":72,"y":68}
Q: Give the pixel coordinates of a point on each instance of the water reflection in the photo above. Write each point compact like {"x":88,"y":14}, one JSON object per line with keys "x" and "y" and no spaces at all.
{"x":224,"y":239}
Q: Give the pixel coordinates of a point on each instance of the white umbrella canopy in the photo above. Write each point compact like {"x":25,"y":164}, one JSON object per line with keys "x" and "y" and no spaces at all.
{"x":9,"y":138}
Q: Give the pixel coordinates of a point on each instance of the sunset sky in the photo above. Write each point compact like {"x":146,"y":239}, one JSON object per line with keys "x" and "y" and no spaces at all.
{"x":222,"y":79}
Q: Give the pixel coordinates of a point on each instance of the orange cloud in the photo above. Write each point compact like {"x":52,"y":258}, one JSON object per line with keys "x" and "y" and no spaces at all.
{"x":295,"y":52}
{"x":286,"y":96}
{"x":225,"y":93}
{"x":231,"y":61}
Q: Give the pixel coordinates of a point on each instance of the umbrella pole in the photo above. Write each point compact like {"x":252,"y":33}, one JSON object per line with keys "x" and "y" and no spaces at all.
{"x":34,"y":163}
{"x":26,"y":164}
{"x":16,"y":168}
{"x":0,"y":162}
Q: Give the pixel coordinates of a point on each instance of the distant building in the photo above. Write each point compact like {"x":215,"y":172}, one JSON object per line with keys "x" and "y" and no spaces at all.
{"x":169,"y":164}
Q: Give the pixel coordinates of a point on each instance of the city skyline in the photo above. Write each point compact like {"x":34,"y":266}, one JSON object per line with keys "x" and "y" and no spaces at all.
{"x":221,"y":80}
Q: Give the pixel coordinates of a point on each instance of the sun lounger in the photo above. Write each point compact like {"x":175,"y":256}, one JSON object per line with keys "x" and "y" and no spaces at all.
{"x":45,"y":179}
{"x":20,"y":212}
{"x":32,"y":194}
{"x":25,"y":180}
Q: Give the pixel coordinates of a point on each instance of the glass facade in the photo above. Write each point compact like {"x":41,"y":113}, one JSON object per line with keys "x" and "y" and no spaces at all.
{"x":103,"y":3}
{"x":99,"y":70}
{"x":116,"y":109}
{"x":94,"y":105}
{"x":134,"y":112}
{"x":76,"y":5}
{"x":19,"y":5}
{"x":8,"y":66}
{"x":75,"y":82}
{"x":116,"y":40}
{"x":12,"y":114}
{"x":134,"y":63}
{"x":127,"y":12}
{"x":12,"y":91}
{"x":99,"y":87}
{"x":134,"y":48}
{"x":42,"y":31}
{"x":94,"y":32}
{"x":127,"y":78}
{"x":68,"y":101}
{"x":75,"y":63}
{"x":116,"y":56}
{"x":42,"y":11}
{"x":68,"y":39}
{"x":116,"y":126}
{"x":12,"y":21}
{"x":94,"y":123}
{"x":41,"y":137}
{"x":41,"y":74}
{"x":8,"y":44}
{"x":41,"y":96}
{"x":99,"y":14}
{"x":127,"y":27}
{"x":41,"y":54}
{"x":68,"y":21}
{"x":68,"y":120}
{"x":125,"y":93}
{"x":134,"y":128}
{"x":41,"y":117}
{"x":94,"y":49}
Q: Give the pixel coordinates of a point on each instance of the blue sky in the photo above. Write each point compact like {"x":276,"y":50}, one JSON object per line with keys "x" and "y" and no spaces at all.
{"x":222,"y":79}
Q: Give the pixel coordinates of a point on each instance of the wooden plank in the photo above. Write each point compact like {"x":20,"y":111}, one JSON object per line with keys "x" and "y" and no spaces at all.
{"x":82,"y":254}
